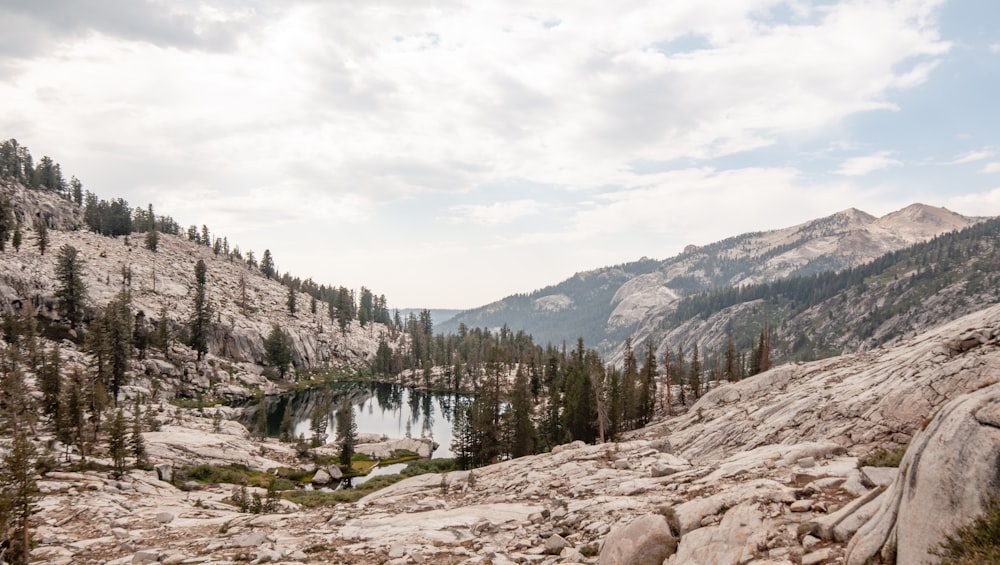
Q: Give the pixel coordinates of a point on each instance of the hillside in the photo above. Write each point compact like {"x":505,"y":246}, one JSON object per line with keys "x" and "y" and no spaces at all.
{"x":636,"y":299}
{"x":161,"y":283}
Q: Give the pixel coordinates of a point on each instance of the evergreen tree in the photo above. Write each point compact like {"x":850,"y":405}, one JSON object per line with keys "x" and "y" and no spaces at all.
{"x":523,"y":435}
{"x":72,"y":292}
{"x":18,"y":238}
{"x":647,"y":387}
{"x":581,"y":409}
{"x":18,"y":495}
{"x":347,"y":433}
{"x":136,"y":442}
{"x":153,"y":239}
{"x":117,"y":321}
{"x":7,"y":224}
{"x":118,"y":443}
{"x":201,"y":318}
{"x":76,"y":190}
{"x":49,"y":385}
{"x":730,"y":372}
{"x":18,"y":410}
{"x":291,"y":300}
{"x":267,"y":264}
{"x":694,"y":375}
{"x":41,"y":235}
{"x":278,"y":349}
{"x":72,"y":414}
{"x":286,"y":431}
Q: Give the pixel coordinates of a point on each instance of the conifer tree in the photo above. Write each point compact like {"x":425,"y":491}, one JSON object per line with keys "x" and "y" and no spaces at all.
{"x":647,"y":386}
{"x":523,"y":434}
{"x":41,"y":235}
{"x":17,"y":238}
{"x":18,"y":495}
{"x":49,"y":385}
{"x":72,"y":292}
{"x":117,"y":320}
{"x":694,"y":375}
{"x":291,"y":300}
{"x":278,"y":349}
{"x":7,"y":224}
{"x":153,"y":239}
{"x":267,"y":264}
{"x":347,"y":433}
{"x":118,"y":443}
{"x":202,"y":316}
{"x":72,"y":414}
{"x":136,"y":441}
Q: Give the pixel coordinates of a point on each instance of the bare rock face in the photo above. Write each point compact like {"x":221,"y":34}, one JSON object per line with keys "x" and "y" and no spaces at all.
{"x":947,"y":477}
{"x":647,"y":540}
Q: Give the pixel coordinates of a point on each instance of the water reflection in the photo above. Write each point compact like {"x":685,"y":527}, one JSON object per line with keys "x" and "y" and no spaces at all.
{"x":384,"y":409}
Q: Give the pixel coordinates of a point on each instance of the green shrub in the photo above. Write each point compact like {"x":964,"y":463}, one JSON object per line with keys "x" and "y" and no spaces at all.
{"x":425,"y":466}
{"x":974,"y":543}
{"x":882,"y":457}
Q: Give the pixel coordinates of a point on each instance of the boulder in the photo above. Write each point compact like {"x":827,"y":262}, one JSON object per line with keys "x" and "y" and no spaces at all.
{"x":164,"y":471}
{"x":931,"y":496}
{"x":321,"y":478}
{"x":647,"y":540}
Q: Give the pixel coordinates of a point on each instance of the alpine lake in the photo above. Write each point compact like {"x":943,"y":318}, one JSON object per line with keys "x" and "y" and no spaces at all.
{"x":389,"y":410}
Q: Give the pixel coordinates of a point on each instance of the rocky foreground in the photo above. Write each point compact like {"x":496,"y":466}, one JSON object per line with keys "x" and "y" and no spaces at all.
{"x":758,"y":472}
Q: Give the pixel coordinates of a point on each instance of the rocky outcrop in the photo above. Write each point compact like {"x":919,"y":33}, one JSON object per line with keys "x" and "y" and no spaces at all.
{"x":948,"y":477}
{"x":644,"y":541}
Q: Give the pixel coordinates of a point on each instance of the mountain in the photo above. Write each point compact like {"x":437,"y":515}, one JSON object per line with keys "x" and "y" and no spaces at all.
{"x":605,"y":306}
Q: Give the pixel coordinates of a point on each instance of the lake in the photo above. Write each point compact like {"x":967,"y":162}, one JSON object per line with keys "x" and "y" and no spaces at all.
{"x":379,"y":408}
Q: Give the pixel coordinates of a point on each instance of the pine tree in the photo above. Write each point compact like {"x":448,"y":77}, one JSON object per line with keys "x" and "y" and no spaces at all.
{"x":18,"y":495}
{"x":49,"y":385}
{"x":694,"y":375}
{"x":153,"y":239}
{"x":72,"y":292}
{"x":41,"y":235}
{"x":278,"y":349}
{"x":267,"y":264}
{"x":136,"y":441}
{"x":7,"y":224}
{"x":118,"y":325}
{"x":118,"y":443}
{"x":202,"y":316}
{"x":523,"y":434}
{"x":18,"y":238}
{"x":72,"y":414}
{"x":347,"y":433}
{"x":291,"y":300}
{"x":730,"y":371}
{"x":647,"y":386}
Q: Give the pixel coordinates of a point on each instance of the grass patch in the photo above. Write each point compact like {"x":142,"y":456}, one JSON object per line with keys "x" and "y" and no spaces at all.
{"x":425,"y":466}
{"x":400,"y":456}
{"x":315,"y":498}
{"x":882,"y":457}
{"x":230,"y":474}
{"x":974,"y":543}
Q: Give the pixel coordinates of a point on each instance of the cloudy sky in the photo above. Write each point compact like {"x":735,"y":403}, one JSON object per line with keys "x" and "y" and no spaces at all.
{"x":449,"y":153}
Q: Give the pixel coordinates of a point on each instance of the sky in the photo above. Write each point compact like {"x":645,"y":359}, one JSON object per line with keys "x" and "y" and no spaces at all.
{"x":449,"y":153}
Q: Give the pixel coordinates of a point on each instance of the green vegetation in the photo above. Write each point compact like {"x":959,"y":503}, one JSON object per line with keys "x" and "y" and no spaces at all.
{"x":974,"y":543}
{"x":883,"y":457}
{"x":315,"y":498}
{"x":424,"y":466}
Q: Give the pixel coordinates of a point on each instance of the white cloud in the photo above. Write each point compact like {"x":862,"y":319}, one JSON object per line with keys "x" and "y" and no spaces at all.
{"x":993,"y":167}
{"x":995,"y":47}
{"x":860,"y":166}
{"x":498,"y":213}
{"x":985,"y":203}
{"x":972,"y":156}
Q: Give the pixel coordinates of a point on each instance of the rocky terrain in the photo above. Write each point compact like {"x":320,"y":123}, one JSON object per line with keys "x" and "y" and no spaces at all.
{"x":763,"y":471}
{"x":162,"y":283}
